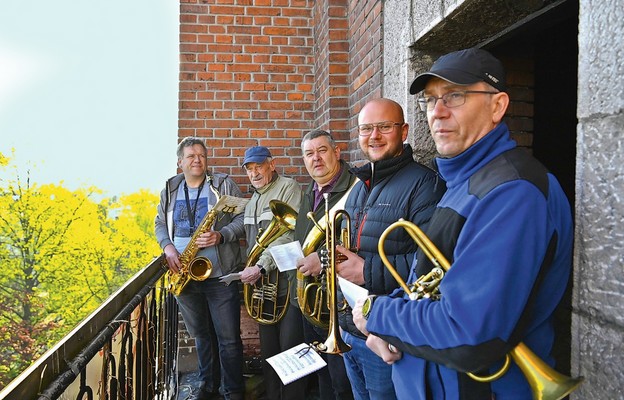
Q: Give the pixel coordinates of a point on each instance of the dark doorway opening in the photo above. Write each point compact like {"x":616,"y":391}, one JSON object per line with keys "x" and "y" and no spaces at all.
{"x":548,"y":40}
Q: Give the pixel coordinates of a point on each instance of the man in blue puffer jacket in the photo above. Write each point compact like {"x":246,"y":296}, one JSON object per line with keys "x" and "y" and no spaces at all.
{"x":505,"y":226}
{"x":391,"y":186}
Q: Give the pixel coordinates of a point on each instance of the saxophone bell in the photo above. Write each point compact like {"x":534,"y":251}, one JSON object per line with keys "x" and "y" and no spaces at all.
{"x":200,"y":269}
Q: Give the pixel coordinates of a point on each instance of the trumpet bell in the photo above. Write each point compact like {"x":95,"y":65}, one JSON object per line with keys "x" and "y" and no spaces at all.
{"x":332,"y":345}
{"x":545,"y":382}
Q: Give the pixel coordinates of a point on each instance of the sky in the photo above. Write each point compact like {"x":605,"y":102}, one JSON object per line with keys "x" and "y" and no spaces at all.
{"x":88,"y":92}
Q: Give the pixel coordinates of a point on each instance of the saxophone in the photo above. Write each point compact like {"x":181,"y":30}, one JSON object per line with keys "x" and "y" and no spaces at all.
{"x":192,"y":267}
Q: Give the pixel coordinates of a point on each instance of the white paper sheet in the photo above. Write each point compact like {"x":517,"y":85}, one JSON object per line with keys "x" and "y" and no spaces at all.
{"x":351,"y":291}
{"x":296,"y":362}
{"x":286,"y":255}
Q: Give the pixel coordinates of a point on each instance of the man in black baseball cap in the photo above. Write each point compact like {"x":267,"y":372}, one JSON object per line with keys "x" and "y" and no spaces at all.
{"x":464,"y":67}
{"x":505,"y":226}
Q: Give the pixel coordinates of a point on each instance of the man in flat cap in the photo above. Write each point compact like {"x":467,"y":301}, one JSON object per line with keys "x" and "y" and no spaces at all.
{"x":505,"y":227}
{"x":281,"y":324}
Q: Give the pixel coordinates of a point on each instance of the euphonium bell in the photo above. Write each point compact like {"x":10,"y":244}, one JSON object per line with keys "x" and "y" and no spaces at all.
{"x":545,"y":382}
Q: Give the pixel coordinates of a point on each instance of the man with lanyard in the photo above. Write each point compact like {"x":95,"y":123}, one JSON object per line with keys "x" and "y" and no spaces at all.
{"x":208,"y":307}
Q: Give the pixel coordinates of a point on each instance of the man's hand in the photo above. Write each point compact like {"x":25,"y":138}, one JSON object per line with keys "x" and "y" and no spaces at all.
{"x":310,"y":265}
{"x":250,"y":275}
{"x":173,"y":258}
{"x":352,"y":269}
{"x":358,"y":318}
{"x":207,"y":239}
{"x":383,"y":349}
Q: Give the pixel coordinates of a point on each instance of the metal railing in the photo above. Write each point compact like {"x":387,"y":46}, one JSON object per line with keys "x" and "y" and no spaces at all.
{"x":126,"y":349}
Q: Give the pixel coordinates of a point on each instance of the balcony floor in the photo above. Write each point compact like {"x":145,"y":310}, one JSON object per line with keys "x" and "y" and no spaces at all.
{"x":253,"y":382}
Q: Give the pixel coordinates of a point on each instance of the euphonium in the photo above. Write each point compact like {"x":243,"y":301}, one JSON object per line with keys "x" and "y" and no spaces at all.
{"x":195,"y":268}
{"x":311,"y":290}
{"x":267,"y":289}
{"x":545,"y":382}
{"x":334,"y":343}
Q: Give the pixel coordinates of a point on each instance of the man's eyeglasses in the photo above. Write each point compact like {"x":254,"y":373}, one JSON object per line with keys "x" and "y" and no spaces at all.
{"x":382,"y":127}
{"x":450,"y":100}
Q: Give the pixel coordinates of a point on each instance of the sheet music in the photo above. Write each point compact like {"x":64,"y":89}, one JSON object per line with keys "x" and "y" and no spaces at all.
{"x":231,"y":204}
{"x":296,"y":362}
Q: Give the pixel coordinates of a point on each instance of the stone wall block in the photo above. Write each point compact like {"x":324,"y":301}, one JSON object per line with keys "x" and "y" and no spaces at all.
{"x":601,"y":49}
{"x":601,"y":362}
{"x":599,"y":227}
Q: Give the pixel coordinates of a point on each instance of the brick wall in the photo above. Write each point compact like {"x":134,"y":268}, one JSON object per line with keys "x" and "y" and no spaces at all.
{"x":365,"y":60}
{"x":520,"y":86}
{"x":331,"y":67}
{"x":266,"y":72}
{"x":247,"y":79}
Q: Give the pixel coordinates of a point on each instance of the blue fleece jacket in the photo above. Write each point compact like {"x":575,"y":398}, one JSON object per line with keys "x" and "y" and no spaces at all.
{"x":506,"y":227}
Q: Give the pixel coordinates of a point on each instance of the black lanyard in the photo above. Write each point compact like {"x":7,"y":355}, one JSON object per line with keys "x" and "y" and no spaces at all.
{"x":188,"y":205}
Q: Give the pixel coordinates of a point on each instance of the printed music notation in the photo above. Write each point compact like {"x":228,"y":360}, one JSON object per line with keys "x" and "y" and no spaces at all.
{"x":296,"y":362}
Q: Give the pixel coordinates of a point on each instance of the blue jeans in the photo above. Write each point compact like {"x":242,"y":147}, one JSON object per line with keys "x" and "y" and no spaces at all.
{"x":370,"y":376}
{"x":211,"y":301}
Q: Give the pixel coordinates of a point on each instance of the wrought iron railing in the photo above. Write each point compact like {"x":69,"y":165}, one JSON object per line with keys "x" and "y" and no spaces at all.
{"x":126,"y":349}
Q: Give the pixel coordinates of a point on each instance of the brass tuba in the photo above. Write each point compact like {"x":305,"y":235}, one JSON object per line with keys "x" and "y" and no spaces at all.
{"x":545,"y":382}
{"x":334,"y":343}
{"x":266,"y":290}
{"x":311,"y":291}
{"x":193,"y":268}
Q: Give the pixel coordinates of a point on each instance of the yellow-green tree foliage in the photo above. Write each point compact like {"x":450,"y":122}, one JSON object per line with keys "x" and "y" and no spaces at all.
{"x":62,"y":253}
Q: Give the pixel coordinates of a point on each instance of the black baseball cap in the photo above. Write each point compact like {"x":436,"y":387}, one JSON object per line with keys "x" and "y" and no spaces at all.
{"x":464,"y":67}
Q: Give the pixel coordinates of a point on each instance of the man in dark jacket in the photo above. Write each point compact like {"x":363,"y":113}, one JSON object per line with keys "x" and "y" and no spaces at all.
{"x":505,"y":227}
{"x":331,"y":176}
{"x":392,"y":186}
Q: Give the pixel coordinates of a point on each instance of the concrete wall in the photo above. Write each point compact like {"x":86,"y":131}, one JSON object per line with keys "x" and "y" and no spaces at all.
{"x":598,"y":300}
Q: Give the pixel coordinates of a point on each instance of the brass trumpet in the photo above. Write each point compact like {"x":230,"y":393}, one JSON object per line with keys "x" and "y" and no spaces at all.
{"x":334,"y":343}
{"x":545,"y":382}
